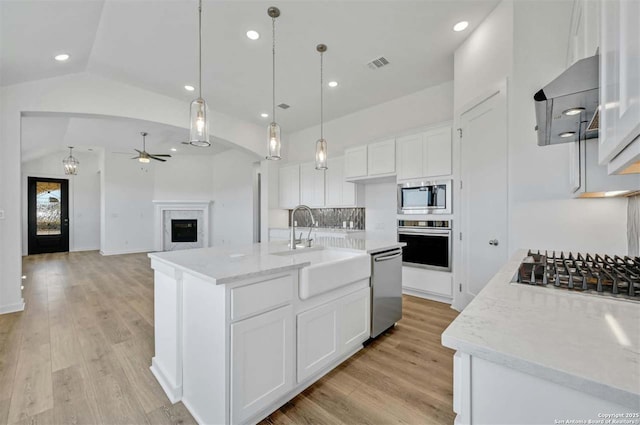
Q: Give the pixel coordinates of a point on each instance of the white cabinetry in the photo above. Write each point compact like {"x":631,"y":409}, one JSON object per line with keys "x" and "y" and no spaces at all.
{"x":338,"y":192}
{"x":330,"y":331}
{"x":619,"y":81}
{"x":262,"y":362}
{"x":289,"y":186}
{"x":424,"y":155}
{"x":311,"y":185}
{"x":371,"y":161}
{"x":355,"y":162}
{"x":584,"y":37}
{"x":381,"y":158}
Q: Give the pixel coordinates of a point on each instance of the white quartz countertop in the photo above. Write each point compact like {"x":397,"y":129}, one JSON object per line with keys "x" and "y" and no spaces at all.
{"x":587,"y":342}
{"x":229,"y":264}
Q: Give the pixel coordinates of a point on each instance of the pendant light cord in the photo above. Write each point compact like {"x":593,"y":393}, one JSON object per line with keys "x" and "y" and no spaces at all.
{"x":200,"y":48}
{"x":321,"y":96}
{"x":273,"y":70}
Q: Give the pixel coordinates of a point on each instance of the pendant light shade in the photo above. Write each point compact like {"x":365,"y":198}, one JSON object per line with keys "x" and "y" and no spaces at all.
{"x":199,"y":121}
{"x":321,"y":144}
{"x":273,"y":130}
{"x":70,"y":164}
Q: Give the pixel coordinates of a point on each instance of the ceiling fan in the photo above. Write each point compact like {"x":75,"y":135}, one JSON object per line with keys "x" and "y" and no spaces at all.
{"x":144,"y":156}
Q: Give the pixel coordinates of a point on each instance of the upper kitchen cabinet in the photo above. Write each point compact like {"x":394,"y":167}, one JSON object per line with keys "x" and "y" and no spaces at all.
{"x":371,"y":162}
{"x":620,"y":85}
{"x":584,"y":38}
{"x":424,"y":155}
{"x":289,"y":186}
{"x":338,"y":192}
{"x":311,"y":185}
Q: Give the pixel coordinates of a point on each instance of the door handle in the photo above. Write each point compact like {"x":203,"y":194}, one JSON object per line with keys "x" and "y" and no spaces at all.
{"x":388,"y":257}
{"x":493,"y":242}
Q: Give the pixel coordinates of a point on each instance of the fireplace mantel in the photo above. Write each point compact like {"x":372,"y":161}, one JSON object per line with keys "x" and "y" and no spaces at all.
{"x":163,"y":207}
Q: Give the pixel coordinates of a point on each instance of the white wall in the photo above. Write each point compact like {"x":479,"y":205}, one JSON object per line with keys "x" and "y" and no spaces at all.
{"x":421,"y":109}
{"x":84,"y":197}
{"x":79,"y":94}
{"x":381,"y":210}
{"x":541,"y":212}
{"x":232,"y":211}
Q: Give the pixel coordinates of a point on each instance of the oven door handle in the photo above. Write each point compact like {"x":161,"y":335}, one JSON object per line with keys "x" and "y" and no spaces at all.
{"x":410,"y":231}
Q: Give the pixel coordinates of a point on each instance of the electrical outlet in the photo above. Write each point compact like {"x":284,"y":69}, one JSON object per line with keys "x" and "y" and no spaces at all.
{"x":1,"y":214}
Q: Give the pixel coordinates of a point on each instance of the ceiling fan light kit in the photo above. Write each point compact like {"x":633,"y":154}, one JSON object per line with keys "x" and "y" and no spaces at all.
{"x":199,"y":113}
{"x":144,"y":157}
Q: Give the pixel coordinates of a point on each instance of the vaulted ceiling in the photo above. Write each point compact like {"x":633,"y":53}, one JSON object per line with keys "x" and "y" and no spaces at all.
{"x":152,"y":44}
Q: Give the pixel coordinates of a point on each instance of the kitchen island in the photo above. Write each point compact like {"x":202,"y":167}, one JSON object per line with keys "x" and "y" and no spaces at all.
{"x":531,"y":355}
{"x":240,"y":331}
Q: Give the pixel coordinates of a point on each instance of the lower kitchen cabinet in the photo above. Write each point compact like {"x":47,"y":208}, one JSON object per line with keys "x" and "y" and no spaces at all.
{"x":262,"y":361}
{"x":327,"y":332}
{"x":430,"y":284}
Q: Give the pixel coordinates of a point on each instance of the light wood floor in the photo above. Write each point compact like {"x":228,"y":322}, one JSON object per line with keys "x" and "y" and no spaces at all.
{"x":80,"y":354}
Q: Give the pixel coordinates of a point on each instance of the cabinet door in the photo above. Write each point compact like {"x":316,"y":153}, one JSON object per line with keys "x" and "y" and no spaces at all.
{"x":311,"y":185}
{"x":619,"y":77}
{"x":437,"y":152}
{"x":382,"y":158}
{"x":318,"y":343}
{"x":410,"y":157}
{"x":355,"y":162}
{"x":289,"y":186}
{"x":262,"y":361}
{"x":338,"y":192}
{"x":355,"y":319}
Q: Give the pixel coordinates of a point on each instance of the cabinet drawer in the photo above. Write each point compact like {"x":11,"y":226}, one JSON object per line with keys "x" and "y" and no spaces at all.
{"x":261,"y":296}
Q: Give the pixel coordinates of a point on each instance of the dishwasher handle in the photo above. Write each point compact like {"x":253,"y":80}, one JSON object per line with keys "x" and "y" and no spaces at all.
{"x":388,"y":257}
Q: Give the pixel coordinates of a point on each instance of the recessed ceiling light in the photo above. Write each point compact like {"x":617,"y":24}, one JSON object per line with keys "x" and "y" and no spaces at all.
{"x":173,"y":150}
{"x":264,"y":115}
{"x":573,"y":111}
{"x":461,"y":26}
{"x":189,"y":88}
{"x":253,"y":35}
{"x":567,"y":134}
{"x":62,"y":57}
{"x":333,"y":84}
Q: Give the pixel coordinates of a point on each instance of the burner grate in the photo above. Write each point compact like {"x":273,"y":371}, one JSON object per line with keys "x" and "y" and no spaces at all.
{"x":615,"y":275}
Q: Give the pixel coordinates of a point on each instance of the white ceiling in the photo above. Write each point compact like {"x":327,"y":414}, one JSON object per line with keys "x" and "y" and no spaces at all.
{"x":42,"y":135}
{"x":152,"y":44}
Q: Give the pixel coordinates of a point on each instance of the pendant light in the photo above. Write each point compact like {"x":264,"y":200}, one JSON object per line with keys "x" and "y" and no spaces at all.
{"x":199,"y":121}
{"x":70,"y":164}
{"x":273,"y":130}
{"x":321,"y":144}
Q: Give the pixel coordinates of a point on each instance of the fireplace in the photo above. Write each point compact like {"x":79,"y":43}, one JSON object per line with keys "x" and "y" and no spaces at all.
{"x":184,"y":230}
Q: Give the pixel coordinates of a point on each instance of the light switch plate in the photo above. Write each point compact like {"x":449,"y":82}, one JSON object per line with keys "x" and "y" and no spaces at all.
{"x":1,"y":214}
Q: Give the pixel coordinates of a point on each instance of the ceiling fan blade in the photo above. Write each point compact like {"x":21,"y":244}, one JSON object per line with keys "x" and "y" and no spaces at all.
{"x":157,"y":159}
{"x":136,"y":157}
{"x":160,"y":154}
{"x":137,"y":151}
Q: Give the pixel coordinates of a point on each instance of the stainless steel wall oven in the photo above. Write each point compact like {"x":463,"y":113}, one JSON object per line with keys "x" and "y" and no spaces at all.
{"x":429,"y":243}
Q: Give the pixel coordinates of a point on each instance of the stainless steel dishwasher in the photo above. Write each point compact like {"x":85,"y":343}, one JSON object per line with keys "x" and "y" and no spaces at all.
{"x":386,"y":290}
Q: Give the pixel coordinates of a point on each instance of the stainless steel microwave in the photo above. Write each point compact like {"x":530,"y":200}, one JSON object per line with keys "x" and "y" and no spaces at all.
{"x":425,"y":197}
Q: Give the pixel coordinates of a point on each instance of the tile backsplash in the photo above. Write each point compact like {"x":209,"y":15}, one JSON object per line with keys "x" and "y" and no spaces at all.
{"x":331,"y":217}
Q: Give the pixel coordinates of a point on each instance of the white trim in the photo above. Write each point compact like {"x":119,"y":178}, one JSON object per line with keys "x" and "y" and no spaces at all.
{"x":427,"y":295}
{"x":162,"y":206}
{"x":12,"y":308}
{"x":121,"y":252}
{"x":174,"y":393}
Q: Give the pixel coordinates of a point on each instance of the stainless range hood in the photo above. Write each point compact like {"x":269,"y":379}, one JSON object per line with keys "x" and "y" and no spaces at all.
{"x":566,"y":108}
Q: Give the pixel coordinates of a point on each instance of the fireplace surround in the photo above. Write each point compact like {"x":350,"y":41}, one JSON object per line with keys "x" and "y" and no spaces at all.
{"x":181,"y":212}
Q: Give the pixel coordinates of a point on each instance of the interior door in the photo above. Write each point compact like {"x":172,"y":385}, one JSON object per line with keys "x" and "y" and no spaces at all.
{"x":484,"y":191}
{"x":48,"y":215}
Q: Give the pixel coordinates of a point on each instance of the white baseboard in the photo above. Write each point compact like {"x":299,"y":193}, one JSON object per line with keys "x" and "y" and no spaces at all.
{"x":121,"y":252}
{"x":427,"y":295}
{"x":174,"y":393}
{"x":12,"y":308}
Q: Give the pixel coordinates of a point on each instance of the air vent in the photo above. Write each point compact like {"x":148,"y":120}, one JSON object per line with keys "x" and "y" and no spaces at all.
{"x":378,"y":63}
{"x":284,"y":106}
{"x":594,"y":125}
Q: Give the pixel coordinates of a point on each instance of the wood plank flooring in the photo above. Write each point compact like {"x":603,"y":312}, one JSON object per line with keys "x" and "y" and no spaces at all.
{"x":80,"y":354}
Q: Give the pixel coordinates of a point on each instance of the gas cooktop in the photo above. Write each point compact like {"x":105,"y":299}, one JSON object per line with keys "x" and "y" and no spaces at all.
{"x":596,"y":274}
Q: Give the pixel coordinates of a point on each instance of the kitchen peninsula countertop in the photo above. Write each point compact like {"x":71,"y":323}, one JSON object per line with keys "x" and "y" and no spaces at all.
{"x":586,"y":342}
{"x":224,"y":264}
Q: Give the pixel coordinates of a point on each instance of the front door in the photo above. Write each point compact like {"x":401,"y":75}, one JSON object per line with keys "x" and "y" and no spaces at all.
{"x":48,"y":211}
{"x":483,"y":147}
